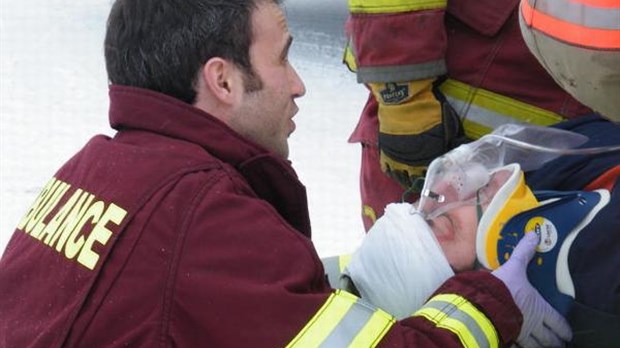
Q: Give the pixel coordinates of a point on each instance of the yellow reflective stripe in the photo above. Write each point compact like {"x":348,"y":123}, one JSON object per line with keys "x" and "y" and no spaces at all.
{"x":455,"y":326}
{"x":344,"y":320}
{"x":507,"y":106}
{"x":343,"y":261}
{"x":475,"y":130}
{"x":480,"y":318}
{"x":374,"y":331}
{"x":325,"y":320}
{"x":349,"y":57}
{"x":444,"y":311}
{"x":394,"y":6}
{"x":370,"y":213}
{"x":498,"y":104}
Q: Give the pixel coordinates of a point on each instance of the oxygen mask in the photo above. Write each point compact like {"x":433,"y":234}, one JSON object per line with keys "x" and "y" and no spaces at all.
{"x":453,"y":180}
{"x":459,"y":177}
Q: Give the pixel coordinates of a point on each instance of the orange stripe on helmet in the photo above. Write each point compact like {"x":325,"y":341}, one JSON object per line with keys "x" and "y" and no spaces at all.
{"x":570,"y":32}
{"x":607,"y":180}
{"x":599,"y":3}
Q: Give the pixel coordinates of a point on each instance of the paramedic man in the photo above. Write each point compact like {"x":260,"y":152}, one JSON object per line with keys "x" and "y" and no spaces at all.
{"x":189,"y":226}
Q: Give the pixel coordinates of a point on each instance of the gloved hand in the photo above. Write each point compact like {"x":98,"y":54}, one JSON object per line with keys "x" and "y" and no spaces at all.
{"x":542,"y":325}
{"x":414,"y":128}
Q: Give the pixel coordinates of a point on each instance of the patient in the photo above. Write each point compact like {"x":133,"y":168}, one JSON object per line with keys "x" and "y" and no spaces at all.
{"x":589,"y":257}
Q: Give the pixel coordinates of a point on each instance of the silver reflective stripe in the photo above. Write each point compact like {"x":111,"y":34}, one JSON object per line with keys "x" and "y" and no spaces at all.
{"x":399,"y":73}
{"x":349,"y":326}
{"x":459,"y":316}
{"x":469,"y":322}
{"x":482,"y":110}
{"x":332,"y":269}
{"x":344,"y":321}
{"x":580,"y":14}
{"x":479,"y":114}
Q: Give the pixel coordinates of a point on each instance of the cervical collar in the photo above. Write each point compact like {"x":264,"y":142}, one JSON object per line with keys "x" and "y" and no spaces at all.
{"x":512,"y":198}
{"x":558,"y":220}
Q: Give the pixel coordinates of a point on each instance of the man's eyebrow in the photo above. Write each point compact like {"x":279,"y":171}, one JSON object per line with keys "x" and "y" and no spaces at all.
{"x":286,"y":48}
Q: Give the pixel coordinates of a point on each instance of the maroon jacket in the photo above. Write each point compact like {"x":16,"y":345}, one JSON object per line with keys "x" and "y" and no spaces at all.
{"x":179,"y":232}
{"x":475,"y":42}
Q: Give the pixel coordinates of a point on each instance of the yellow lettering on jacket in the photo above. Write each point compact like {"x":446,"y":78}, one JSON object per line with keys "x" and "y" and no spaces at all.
{"x":76,"y":240}
{"x":71,"y":222}
{"x":37,"y":203}
{"x":52,"y":226}
{"x":42,"y":214}
{"x":79,"y":229}
{"x":43,"y":205}
{"x":100,"y":234}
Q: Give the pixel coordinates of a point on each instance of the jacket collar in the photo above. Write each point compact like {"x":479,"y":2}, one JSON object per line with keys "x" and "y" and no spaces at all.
{"x":136,"y":108}
{"x":272,"y":178}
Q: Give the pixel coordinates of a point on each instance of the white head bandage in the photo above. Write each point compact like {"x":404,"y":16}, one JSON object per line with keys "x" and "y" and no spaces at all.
{"x":400,"y":263}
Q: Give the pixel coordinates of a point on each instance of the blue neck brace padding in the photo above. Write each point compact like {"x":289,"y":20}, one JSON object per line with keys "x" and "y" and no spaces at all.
{"x":559,"y":219}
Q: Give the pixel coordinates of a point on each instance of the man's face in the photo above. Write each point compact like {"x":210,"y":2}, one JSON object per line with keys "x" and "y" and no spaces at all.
{"x":456,"y":229}
{"x":265,"y":115}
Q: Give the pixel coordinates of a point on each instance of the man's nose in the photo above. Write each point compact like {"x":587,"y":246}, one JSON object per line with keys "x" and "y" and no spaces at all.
{"x":298,"y":86}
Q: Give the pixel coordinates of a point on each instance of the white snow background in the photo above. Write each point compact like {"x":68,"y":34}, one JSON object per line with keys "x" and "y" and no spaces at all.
{"x":53,"y":98}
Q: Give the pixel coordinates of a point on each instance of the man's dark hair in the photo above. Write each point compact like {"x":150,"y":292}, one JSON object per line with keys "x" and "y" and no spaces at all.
{"x":161,"y":44}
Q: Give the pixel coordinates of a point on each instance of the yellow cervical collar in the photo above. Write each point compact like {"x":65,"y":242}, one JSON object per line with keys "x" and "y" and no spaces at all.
{"x":511,"y":199}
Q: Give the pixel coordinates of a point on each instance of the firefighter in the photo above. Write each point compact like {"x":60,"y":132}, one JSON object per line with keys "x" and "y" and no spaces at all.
{"x":440,"y":73}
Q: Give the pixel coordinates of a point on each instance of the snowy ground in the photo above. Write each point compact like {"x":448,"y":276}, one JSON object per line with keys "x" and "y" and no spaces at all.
{"x":53,"y":97}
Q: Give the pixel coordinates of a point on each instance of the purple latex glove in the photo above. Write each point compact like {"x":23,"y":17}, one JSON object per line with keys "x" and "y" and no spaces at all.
{"x":542,"y":325}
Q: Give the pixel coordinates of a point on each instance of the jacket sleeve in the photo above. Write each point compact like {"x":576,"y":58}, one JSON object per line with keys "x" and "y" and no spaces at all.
{"x":473,"y":309}
{"x":245,"y":277}
{"x":378,"y":30}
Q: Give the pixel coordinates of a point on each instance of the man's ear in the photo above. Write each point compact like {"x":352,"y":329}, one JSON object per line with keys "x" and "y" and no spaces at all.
{"x":219,"y":76}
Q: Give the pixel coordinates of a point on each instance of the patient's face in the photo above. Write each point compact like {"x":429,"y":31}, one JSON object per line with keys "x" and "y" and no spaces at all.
{"x":456,"y":229}
{"x":456,"y":232}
